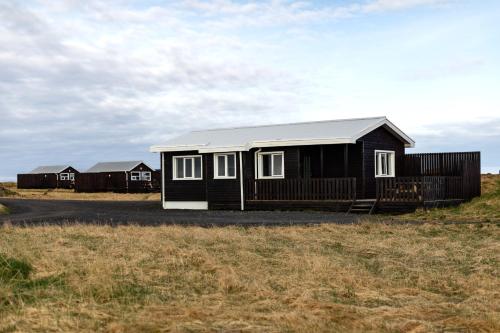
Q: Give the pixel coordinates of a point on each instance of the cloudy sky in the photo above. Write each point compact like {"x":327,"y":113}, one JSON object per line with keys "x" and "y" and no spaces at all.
{"x":88,"y":81}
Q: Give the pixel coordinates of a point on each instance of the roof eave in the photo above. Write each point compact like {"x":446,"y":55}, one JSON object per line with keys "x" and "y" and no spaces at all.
{"x":250,"y":145}
{"x":409,"y":142}
{"x":166,"y":149}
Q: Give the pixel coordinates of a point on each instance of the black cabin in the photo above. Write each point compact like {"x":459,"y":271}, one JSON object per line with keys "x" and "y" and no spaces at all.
{"x":48,"y":177}
{"x":327,"y":164}
{"x":126,"y":176}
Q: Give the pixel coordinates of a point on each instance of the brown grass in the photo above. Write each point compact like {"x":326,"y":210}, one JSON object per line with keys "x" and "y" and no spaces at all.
{"x":3,"y":209}
{"x":63,"y":194}
{"x":483,"y":209}
{"x":369,"y":277}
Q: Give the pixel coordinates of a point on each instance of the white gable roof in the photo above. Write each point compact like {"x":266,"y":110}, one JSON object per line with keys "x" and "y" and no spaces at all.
{"x":114,"y":166}
{"x":49,"y":169}
{"x":310,"y":133}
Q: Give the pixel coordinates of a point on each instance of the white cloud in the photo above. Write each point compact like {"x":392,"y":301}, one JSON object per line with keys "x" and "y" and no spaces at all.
{"x":82,"y":81}
{"x":387,"y":5}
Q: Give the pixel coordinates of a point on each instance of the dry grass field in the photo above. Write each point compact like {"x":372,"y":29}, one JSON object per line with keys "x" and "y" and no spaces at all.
{"x":352,"y":278}
{"x":10,"y":190}
{"x":483,"y":209}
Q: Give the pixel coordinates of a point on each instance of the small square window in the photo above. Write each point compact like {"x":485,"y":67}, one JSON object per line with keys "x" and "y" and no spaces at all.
{"x":135,"y":175}
{"x":225,"y":166}
{"x":187,"y":167}
{"x":271,"y":165}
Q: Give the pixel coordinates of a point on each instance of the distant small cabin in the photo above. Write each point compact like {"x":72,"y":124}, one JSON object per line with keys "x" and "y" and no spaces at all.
{"x":48,"y":177}
{"x":125,"y":176}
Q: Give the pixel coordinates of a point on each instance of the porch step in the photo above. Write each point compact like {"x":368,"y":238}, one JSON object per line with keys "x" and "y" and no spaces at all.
{"x":363,"y":206}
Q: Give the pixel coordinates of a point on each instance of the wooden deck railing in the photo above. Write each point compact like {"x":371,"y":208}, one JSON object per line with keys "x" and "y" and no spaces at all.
{"x":301,"y":189}
{"x":420,"y":189}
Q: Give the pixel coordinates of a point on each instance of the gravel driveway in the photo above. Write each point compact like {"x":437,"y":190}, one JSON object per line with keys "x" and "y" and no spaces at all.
{"x":32,"y":212}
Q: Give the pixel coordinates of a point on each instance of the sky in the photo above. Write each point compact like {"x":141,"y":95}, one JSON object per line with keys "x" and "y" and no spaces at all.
{"x":89,"y":81}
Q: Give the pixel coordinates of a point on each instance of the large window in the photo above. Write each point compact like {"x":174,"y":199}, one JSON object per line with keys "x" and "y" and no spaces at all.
{"x":187,"y":167}
{"x":67,"y":176}
{"x":384,"y":163}
{"x":271,"y":165}
{"x":224,"y":166}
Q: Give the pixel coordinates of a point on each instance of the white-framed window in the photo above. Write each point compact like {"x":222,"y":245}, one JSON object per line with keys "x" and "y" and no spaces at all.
{"x":271,"y":165}
{"x":384,"y":163}
{"x":187,"y":167}
{"x":135,"y":175}
{"x":225,"y":166}
{"x":146,"y":176}
{"x":138,"y":176}
{"x":64,"y":176}
{"x":71,"y":176}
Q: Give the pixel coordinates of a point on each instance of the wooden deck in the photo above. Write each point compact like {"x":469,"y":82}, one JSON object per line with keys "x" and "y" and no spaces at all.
{"x":395,"y":194}
{"x":435,"y":179}
{"x":301,"y":189}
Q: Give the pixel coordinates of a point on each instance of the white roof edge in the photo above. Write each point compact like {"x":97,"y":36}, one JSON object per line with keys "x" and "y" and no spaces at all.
{"x":252,"y":144}
{"x":160,"y":148}
{"x":410,"y":143}
{"x":138,"y":162}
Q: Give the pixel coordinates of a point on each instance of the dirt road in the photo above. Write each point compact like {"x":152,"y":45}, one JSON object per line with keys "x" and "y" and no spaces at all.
{"x":32,"y":212}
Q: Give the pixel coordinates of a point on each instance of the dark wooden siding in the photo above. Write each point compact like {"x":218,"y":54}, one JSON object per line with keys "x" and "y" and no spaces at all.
{"x":379,"y":139}
{"x":184,"y":190}
{"x":222,"y":193}
{"x":45,"y":181}
{"x":37,"y":181}
{"x":101,"y":182}
{"x":115,"y":182}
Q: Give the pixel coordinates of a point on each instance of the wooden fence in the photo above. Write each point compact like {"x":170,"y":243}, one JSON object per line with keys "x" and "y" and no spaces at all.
{"x":301,"y":189}
{"x":420,"y":189}
{"x":461,"y":164}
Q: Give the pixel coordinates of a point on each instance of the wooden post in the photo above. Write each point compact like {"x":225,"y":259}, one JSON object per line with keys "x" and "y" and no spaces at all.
{"x":321,"y":161}
{"x":346,"y":159}
{"x":299,"y":175}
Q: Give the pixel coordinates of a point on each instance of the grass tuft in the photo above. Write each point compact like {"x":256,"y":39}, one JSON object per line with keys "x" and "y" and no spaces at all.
{"x":14,"y":269}
{"x":485,"y":208}
{"x":4,"y":210}
{"x":7,"y":191}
